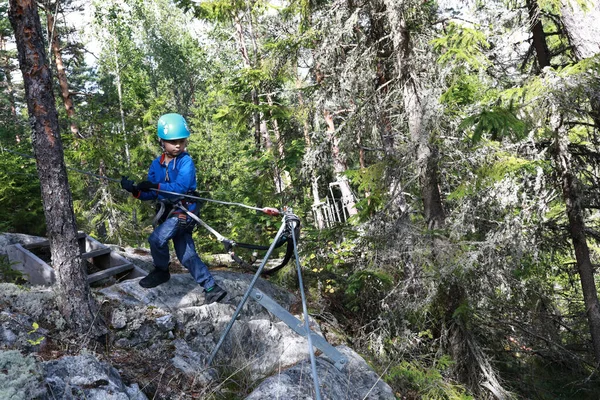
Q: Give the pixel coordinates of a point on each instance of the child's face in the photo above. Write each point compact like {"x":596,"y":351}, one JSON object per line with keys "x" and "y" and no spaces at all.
{"x":174,"y":147}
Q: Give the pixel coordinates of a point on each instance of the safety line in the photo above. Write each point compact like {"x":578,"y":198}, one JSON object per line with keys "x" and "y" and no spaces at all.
{"x":267,"y":210}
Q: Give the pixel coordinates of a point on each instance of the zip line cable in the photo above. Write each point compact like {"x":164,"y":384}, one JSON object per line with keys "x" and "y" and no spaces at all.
{"x":267,"y":210}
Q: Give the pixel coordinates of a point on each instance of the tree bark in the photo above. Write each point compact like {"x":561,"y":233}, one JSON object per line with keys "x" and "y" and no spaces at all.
{"x":248,"y":64}
{"x":582,"y":27}
{"x":426,"y":153}
{"x":121,"y":107}
{"x":575,"y":212}
{"x":75,"y":300}
{"x":539,"y":37}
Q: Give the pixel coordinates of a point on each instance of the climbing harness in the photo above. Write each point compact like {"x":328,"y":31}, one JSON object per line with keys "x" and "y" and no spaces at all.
{"x":166,"y":208}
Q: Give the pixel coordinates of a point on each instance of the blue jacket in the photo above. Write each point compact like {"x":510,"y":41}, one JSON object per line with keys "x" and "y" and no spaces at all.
{"x":178,"y":176}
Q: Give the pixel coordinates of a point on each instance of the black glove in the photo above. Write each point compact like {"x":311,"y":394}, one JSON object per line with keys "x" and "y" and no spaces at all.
{"x":146,"y":185}
{"x":127,"y":184}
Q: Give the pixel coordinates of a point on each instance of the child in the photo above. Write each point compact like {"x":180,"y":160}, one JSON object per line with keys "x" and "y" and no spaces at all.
{"x":173,"y":171}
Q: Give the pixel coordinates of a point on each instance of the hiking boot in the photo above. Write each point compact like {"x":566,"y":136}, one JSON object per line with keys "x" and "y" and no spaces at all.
{"x":215,"y":293}
{"x":155,"y":278}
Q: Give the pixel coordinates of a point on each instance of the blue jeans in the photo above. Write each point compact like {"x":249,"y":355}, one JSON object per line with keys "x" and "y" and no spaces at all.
{"x":185,"y":249}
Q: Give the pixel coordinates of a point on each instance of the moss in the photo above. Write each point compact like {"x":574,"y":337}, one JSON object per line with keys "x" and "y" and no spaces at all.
{"x":19,"y":377}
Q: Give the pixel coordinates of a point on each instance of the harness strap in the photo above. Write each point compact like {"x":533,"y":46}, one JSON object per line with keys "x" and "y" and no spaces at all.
{"x":159,"y":214}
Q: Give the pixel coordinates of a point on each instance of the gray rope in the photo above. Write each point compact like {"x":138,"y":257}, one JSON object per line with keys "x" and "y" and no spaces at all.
{"x":267,"y":210}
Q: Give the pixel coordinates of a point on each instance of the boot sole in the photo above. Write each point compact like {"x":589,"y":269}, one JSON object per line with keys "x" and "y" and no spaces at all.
{"x":216,"y":300}
{"x":152,"y":285}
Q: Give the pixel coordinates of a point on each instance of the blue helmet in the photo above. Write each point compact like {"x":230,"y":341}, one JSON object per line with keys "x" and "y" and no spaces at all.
{"x":172,"y":126}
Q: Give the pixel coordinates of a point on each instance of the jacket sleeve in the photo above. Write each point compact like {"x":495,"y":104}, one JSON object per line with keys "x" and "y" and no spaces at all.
{"x":185,"y":179}
{"x":151,"y":194}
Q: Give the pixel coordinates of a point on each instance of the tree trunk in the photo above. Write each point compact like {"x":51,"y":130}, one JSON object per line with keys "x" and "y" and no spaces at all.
{"x":248,"y":64}
{"x":426,"y":153}
{"x":539,"y":37}
{"x":282,"y":176}
{"x":314,"y":179}
{"x":121,"y":108}
{"x":583,"y":31}
{"x":75,"y":300}
{"x":572,"y":198}
{"x":61,"y":74}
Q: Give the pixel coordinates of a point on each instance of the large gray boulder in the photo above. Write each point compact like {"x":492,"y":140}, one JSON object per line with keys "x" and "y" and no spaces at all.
{"x":258,"y":341}
{"x":356,"y":381}
{"x":6,"y":239}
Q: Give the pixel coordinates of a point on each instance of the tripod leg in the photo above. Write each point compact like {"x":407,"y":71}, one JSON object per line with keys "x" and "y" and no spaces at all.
{"x":313,"y":362}
{"x":246,"y":295}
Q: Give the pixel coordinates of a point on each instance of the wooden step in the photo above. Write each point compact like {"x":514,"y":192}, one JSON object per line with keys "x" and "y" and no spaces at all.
{"x":96,"y":253}
{"x":109,"y":272}
{"x":46,"y":243}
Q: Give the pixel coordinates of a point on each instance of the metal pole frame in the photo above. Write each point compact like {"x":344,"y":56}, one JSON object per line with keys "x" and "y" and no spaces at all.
{"x":247,"y":294}
{"x":312,"y":338}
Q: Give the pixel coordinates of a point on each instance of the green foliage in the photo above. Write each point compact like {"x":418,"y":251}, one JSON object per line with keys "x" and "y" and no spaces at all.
{"x":498,"y":167}
{"x":363,"y":285}
{"x":462,"y":92}
{"x":428,"y":382}
{"x":498,"y":121}
{"x":370,"y":180}
{"x":463,"y":46}
{"x":7,"y":273}
{"x":20,"y":198}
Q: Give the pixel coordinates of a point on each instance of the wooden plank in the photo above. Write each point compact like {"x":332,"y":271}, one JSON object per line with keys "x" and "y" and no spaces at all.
{"x":109,"y":272}
{"x":96,"y":253}
{"x":46,"y":243}
{"x":38,"y":272}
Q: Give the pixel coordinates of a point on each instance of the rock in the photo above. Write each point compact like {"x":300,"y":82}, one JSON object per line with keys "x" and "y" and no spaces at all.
{"x":171,"y":326}
{"x":19,"y":332}
{"x":6,"y":239}
{"x":84,"y":377}
{"x":80,"y":377}
{"x":165,"y":323}
{"x":182,"y":291}
{"x":355,"y":381}
{"x":118,"y":319}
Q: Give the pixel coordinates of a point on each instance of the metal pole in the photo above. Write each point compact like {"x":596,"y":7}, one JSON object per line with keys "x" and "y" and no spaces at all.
{"x":219,"y":237}
{"x":334,"y":201}
{"x":313,"y":362}
{"x":243,"y":301}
